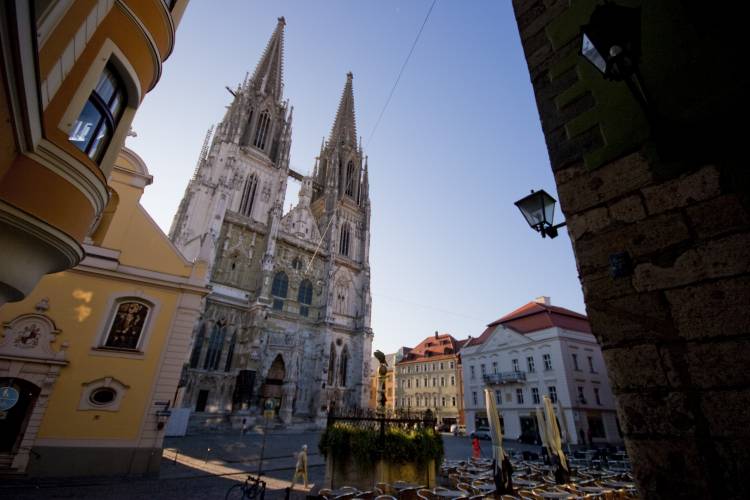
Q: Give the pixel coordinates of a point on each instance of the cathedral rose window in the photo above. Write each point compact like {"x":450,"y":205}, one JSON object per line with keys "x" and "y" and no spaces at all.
{"x":127,"y":325}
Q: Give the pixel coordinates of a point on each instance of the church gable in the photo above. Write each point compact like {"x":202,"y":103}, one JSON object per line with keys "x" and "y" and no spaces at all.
{"x":300,"y":222}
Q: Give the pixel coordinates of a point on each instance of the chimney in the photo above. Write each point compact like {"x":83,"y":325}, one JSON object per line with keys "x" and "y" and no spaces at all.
{"x":436,"y":334}
{"x":544,"y":300}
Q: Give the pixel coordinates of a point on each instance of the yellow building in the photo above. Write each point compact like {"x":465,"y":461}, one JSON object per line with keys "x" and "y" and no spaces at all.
{"x":390,"y":383}
{"x":73,"y":74}
{"x":90,"y":360}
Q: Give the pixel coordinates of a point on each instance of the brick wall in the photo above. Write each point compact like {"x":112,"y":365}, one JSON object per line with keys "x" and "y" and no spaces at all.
{"x":675,"y":331}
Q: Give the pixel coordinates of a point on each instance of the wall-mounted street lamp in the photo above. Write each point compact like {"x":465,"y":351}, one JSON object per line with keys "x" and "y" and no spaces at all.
{"x":611,"y":42}
{"x":538,"y":209}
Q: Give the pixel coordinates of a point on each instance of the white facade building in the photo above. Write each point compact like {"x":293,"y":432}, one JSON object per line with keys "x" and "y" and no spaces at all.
{"x":537,"y":350}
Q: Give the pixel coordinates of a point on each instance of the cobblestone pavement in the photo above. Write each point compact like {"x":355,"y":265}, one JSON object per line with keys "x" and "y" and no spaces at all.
{"x":206,"y":466}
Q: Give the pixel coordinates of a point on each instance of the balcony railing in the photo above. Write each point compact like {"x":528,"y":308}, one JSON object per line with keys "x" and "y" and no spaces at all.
{"x":505,"y":378}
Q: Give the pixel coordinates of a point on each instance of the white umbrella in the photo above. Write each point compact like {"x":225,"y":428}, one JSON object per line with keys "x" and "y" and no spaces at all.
{"x":493,"y":415}
{"x":542,"y":428}
{"x":553,"y":433}
{"x":563,"y":423}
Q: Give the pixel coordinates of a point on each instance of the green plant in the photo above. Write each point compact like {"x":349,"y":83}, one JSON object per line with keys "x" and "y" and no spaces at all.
{"x":401,"y":445}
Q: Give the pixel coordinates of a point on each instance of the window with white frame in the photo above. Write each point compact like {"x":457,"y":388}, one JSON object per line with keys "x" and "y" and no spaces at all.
{"x":451,"y":365}
{"x":519,"y":396}
{"x":547,"y":362}
{"x":95,"y":126}
{"x":596,"y":396}
{"x":535,"y":396}
{"x":494,"y":367}
{"x":472,"y":375}
{"x":453,"y":380}
{"x":498,"y":397}
{"x":442,"y":381}
{"x":581,"y":395}
{"x":442,"y":400}
{"x":129,"y":320}
{"x":515,"y":365}
{"x":481,"y":367}
{"x":591,"y":364}
{"x":453,"y":400}
{"x":474,"y":397}
{"x":553,"y":393}
{"x":575,"y":363}
{"x":530,"y":364}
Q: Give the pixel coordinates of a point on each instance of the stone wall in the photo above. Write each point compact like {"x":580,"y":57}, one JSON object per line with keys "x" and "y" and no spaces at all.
{"x":675,"y":326}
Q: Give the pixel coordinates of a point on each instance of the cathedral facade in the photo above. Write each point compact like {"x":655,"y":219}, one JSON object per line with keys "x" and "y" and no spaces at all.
{"x":287,"y":322}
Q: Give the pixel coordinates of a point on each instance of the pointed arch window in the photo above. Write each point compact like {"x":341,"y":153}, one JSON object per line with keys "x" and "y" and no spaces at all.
{"x":248,"y":195}
{"x":230,"y":352}
{"x":247,"y":134}
{"x":305,"y":297}
{"x":332,"y":365}
{"x":215,"y":343}
{"x":344,"y":239}
{"x":261,"y":130}
{"x":198,"y":347}
{"x":279,"y":290}
{"x":350,"y":179}
{"x":343,"y":366}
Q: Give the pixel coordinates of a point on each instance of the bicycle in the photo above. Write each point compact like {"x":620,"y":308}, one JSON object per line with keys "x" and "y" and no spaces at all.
{"x":252,"y":488}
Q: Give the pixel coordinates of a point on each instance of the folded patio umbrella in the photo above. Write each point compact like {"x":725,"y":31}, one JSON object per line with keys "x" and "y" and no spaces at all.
{"x":554,"y":442}
{"x":563,"y":423}
{"x":501,"y":463}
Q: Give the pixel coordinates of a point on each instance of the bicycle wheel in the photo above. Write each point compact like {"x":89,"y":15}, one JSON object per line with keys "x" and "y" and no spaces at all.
{"x":236,"y":492}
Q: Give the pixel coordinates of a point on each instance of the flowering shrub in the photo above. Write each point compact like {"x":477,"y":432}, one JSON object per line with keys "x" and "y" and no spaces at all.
{"x":401,"y":444}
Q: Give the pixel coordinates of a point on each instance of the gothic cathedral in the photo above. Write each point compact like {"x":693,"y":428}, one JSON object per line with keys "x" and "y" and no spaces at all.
{"x":287,"y":321}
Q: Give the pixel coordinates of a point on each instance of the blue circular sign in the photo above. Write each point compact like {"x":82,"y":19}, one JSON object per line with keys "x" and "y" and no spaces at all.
{"x":8,"y":398}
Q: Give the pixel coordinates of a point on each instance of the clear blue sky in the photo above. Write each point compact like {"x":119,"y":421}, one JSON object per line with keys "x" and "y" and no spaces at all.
{"x":459,"y":143}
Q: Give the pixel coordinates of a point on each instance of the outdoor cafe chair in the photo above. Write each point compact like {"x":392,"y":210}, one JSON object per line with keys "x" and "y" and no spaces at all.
{"x":346,"y":496}
{"x":324,"y":492}
{"x":423,"y":494}
{"x":385,"y":497}
{"x":466,"y":487}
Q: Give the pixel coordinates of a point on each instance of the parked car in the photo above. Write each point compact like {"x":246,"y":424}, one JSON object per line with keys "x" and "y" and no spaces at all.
{"x":530,"y":437}
{"x":483,"y":434}
{"x":443,"y":427}
{"x":458,"y":430}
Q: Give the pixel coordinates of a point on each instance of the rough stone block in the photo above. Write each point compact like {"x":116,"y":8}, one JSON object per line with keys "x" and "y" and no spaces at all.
{"x":611,"y":181}
{"x":628,"y":210}
{"x":726,"y":413}
{"x":734,"y":458}
{"x":640,"y":239}
{"x":655,"y":414}
{"x":601,"y":286}
{"x":718,"y":216}
{"x":634,"y":368}
{"x":670,"y":468}
{"x":728,"y":256}
{"x":719,"y":364}
{"x":686,"y":190}
{"x":591,"y":221}
{"x":720,"y":308}
{"x":631,"y":319}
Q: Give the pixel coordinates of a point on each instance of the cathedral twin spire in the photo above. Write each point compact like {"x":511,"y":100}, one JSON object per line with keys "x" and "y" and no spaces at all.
{"x":344,"y":129}
{"x":268,"y":77}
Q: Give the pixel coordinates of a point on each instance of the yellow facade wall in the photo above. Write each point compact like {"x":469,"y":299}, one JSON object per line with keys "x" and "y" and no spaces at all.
{"x":79,"y":306}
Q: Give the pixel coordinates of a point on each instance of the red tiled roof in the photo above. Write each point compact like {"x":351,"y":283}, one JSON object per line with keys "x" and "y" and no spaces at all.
{"x":434,"y":347}
{"x":536,"y":316}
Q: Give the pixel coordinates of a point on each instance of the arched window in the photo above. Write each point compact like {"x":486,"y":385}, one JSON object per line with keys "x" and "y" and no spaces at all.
{"x":343,"y":366}
{"x":95,"y":126}
{"x":261,"y":131}
{"x":279,"y":290}
{"x":350,"y":179}
{"x":247,"y":134}
{"x":332,"y":365}
{"x":195,"y":357}
{"x":128,"y":322}
{"x":215,"y":343}
{"x":344,"y":239}
{"x":248,"y":195}
{"x":305,"y":297}
{"x":230,"y":352}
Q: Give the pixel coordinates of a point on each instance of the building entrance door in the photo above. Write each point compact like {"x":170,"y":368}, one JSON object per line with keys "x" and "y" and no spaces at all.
{"x":17,"y":399}
{"x":200,"y":405}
